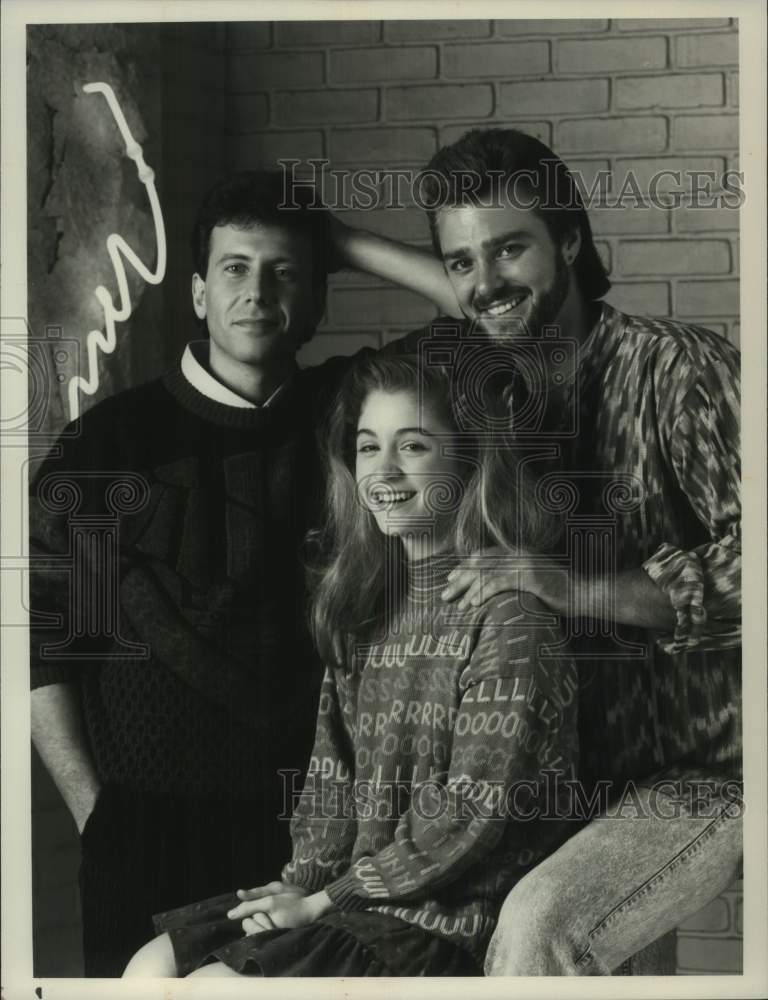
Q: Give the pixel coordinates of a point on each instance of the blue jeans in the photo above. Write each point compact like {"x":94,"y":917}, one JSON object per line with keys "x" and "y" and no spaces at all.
{"x":616,"y":886}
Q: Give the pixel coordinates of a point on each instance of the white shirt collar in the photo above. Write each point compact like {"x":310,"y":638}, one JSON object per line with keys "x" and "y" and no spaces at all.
{"x":193,"y":368}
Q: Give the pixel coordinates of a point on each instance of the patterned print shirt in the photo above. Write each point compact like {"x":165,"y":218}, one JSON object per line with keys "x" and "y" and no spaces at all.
{"x":655,"y":461}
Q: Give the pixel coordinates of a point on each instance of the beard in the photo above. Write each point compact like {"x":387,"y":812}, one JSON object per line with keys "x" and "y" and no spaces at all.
{"x":542,"y":310}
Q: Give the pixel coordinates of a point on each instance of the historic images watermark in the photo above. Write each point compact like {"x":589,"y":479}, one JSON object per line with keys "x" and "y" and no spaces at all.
{"x":373,"y":189}
{"x":550,"y":796}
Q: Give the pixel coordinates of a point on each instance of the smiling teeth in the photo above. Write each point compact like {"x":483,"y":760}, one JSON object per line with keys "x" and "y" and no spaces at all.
{"x":504,"y":307}
{"x":390,"y":496}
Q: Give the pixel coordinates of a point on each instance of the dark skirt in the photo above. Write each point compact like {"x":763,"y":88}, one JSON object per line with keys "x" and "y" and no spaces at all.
{"x":143,"y":854}
{"x":362,"y":943}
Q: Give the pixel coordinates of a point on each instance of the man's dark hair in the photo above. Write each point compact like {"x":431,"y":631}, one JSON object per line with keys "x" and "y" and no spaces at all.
{"x":250,"y":197}
{"x":506,"y":166}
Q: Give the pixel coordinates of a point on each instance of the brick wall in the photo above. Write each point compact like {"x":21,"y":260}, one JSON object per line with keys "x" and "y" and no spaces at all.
{"x":618,"y":95}
{"x":711,"y":941}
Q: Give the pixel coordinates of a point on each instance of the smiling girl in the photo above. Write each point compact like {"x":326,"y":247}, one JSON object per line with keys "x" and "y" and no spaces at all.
{"x":443,"y":737}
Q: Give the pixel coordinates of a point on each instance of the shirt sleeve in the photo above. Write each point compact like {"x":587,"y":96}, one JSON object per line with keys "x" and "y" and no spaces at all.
{"x":503,"y":741}
{"x":75,"y":539}
{"x":704,"y":583}
{"x":324,"y":825}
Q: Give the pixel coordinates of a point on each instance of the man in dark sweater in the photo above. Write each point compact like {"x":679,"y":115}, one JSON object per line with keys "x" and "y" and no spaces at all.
{"x":173,"y":675}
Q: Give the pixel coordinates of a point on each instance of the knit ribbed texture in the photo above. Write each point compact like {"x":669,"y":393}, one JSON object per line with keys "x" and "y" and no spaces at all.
{"x":210,"y":578}
{"x":211,"y":410}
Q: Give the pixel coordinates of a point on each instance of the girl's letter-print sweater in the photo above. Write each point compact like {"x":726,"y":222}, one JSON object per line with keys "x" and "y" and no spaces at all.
{"x":439,"y":754}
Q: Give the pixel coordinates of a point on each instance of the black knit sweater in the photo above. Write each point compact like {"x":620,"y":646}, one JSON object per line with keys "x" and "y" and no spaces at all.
{"x":210,"y":578}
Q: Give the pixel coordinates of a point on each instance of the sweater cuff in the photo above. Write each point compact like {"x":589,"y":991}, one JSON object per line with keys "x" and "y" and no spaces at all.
{"x":309,"y":878}
{"x":344,"y":893}
{"x":679,"y":574}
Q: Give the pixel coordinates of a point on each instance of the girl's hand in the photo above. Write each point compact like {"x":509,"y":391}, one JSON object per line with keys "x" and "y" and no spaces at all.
{"x":270,"y":889}
{"x":279,"y":910}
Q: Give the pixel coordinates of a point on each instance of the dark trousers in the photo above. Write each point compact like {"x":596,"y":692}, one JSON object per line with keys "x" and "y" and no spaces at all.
{"x":143,"y":854}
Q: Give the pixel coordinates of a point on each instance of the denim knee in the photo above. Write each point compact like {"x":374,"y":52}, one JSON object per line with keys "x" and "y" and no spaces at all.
{"x":534,"y":931}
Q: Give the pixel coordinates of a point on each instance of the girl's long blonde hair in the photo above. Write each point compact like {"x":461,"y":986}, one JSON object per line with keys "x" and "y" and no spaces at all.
{"x":356,"y":563}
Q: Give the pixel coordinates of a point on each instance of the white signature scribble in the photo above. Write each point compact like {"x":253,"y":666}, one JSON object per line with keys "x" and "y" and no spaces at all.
{"x":116,"y":246}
